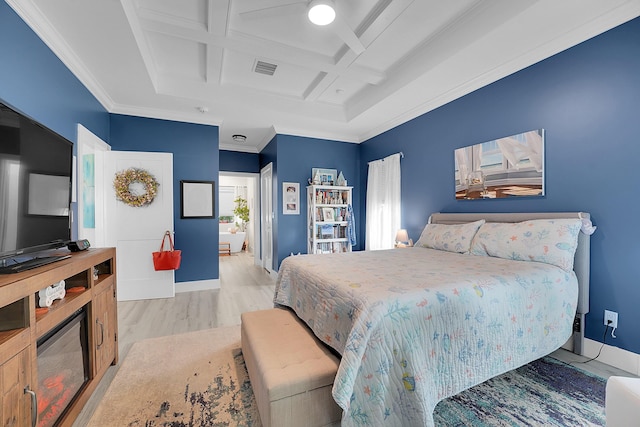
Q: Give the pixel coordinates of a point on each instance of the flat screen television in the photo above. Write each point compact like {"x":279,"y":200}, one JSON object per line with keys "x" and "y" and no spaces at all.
{"x":35,"y":188}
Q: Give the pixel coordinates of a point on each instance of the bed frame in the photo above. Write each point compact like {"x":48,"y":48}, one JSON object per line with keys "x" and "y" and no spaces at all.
{"x":581,"y":262}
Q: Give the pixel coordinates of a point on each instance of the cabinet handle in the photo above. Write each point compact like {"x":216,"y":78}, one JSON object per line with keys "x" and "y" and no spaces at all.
{"x":34,"y":405}
{"x":101,"y":333}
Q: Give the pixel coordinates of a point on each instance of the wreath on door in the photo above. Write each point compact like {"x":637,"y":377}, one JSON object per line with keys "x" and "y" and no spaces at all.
{"x":135,"y":187}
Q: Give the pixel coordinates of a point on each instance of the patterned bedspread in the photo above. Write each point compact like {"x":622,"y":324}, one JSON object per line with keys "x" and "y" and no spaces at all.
{"x":416,"y":325}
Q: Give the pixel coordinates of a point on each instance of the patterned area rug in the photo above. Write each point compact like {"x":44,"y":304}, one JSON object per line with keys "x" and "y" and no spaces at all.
{"x":546,"y":392}
{"x":199,"y":379}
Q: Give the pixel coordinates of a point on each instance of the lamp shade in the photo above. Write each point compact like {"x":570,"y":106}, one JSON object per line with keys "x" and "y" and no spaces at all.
{"x":402,"y":236}
{"x":321,"y":12}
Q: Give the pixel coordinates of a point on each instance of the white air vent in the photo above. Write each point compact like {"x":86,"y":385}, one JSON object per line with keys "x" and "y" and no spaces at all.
{"x":265,"y":68}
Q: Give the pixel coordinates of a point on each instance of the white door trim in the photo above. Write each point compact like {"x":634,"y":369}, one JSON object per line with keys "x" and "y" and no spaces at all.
{"x":266,"y":217}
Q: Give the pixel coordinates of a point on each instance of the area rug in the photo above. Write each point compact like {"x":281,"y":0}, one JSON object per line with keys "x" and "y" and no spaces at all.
{"x":199,"y":379}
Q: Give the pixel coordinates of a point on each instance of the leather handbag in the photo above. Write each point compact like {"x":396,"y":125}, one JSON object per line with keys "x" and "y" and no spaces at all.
{"x":167,"y":260}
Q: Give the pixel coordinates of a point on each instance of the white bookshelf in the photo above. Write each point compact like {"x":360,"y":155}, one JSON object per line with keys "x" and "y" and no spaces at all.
{"x":327,"y":219}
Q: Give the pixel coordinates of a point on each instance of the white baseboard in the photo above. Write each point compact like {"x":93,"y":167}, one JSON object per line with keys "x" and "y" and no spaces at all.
{"x":614,"y":356}
{"x":197,"y":285}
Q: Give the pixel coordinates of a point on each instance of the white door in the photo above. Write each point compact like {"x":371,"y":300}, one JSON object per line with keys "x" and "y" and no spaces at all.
{"x":266,"y":216}
{"x":136,"y":232}
{"x":91,"y":186}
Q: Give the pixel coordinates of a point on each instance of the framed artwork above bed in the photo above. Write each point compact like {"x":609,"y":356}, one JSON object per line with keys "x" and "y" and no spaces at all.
{"x":512,"y":166}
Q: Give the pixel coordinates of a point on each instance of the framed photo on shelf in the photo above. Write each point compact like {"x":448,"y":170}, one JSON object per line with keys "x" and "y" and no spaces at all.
{"x":290,"y":198}
{"x":197,"y":199}
{"x":327,"y":214}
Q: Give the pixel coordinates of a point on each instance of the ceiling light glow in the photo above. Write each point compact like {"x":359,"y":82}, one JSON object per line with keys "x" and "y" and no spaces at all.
{"x":321,"y":12}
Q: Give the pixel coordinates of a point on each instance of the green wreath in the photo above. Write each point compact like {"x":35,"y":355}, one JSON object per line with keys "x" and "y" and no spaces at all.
{"x":122,"y":185}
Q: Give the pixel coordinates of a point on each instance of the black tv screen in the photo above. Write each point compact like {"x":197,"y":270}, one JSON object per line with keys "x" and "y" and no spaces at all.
{"x":35,"y":185}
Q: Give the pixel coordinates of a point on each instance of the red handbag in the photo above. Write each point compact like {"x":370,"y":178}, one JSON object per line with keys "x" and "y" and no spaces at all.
{"x":167,"y":260}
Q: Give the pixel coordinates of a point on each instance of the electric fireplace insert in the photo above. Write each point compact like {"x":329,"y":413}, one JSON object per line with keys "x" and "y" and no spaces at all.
{"x":63,"y":367}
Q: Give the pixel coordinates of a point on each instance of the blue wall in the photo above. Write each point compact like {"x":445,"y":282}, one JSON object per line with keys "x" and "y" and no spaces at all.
{"x":588,"y":101}
{"x":293,"y":157}
{"x":34,"y":81}
{"x":235,"y":161}
{"x":296,"y":157}
{"x":195,"y":157}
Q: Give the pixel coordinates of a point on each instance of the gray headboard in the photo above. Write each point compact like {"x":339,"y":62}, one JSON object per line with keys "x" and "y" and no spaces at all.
{"x":581,"y":264}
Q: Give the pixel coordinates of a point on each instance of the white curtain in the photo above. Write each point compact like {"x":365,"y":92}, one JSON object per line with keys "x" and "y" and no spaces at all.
{"x":383,"y":203}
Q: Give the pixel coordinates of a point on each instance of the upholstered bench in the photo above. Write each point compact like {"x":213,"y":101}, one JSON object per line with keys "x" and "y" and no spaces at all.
{"x":291,"y":371}
{"x":622,"y":402}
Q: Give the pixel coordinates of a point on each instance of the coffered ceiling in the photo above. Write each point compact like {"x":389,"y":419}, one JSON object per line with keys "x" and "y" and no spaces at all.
{"x":259,"y":67}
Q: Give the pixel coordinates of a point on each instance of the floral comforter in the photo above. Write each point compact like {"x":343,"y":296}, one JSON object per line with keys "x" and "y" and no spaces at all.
{"x":417,"y":325}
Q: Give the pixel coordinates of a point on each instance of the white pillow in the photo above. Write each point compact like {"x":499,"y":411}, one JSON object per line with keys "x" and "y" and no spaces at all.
{"x":449,"y":237}
{"x":552,"y":241}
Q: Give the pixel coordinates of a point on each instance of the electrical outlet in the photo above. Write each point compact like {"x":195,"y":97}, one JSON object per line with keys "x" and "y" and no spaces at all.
{"x":611,"y":318}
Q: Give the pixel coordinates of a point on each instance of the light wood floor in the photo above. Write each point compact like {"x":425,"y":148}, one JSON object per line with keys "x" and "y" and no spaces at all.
{"x":243,"y":287}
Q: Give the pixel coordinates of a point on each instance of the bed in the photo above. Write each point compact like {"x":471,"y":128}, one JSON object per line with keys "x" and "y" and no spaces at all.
{"x":479,"y":295}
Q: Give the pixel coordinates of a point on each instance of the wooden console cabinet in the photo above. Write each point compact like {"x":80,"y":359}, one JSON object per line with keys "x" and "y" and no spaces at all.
{"x":21,"y":327}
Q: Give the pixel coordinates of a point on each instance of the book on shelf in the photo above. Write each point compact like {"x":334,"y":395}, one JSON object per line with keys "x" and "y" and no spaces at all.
{"x":331,"y":247}
{"x":331,"y":214}
{"x":326,"y":231}
{"x":331,"y":197}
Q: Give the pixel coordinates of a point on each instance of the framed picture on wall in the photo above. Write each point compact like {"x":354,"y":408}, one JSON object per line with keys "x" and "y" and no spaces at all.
{"x":508,"y":167}
{"x":197,"y":199}
{"x":290,"y":198}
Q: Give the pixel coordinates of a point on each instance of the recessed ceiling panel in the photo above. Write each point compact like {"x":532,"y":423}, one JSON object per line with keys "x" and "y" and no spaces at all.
{"x":287,"y":79}
{"x":178,"y":57}
{"x":341,"y":90}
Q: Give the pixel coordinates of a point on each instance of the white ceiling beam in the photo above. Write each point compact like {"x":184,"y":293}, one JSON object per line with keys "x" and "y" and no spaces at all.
{"x":347,"y":35}
{"x":217,"y":23}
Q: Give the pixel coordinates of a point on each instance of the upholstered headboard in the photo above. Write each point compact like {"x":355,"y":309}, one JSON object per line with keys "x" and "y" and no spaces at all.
{"x":581,"y":264}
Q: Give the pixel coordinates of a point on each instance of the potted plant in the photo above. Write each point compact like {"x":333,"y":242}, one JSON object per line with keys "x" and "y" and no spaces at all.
{"x":242,"y":212}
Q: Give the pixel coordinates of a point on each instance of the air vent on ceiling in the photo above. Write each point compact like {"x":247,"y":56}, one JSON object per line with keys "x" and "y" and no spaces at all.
{"x":265,"y":68}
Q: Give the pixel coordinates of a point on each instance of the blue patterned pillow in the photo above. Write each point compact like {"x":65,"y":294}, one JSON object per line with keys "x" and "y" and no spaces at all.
{"x":552,"y":241}
{"x":451,"y":238}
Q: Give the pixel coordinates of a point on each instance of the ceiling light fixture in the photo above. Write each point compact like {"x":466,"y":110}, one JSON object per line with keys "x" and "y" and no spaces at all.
{"x":239,"y":138}
{"x":321,"y":12}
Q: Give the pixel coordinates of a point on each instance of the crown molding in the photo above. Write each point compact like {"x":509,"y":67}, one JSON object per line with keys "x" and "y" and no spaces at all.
{"x":39,"y":24}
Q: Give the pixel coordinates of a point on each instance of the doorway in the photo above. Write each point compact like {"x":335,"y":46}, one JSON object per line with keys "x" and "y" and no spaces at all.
{"x":245,"y":185}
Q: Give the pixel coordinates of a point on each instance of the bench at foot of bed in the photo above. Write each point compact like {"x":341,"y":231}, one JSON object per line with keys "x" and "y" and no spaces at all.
{"x":291,"y":371}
